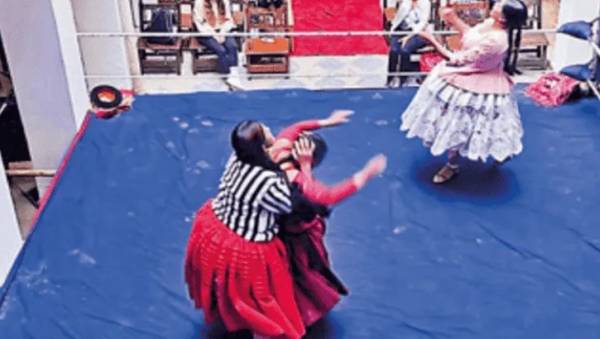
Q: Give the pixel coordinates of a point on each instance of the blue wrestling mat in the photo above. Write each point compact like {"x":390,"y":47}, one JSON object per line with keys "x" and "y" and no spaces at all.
{"x":510,"y":252}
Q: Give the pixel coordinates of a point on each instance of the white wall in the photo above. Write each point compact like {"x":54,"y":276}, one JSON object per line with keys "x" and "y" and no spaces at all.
{"x":43,"y":56}
{"x":103,"y":55}
{"x":10,"y":239}
{"x":71,"y":54}
{"x":130,"y":21}
{"x":570,"y":51}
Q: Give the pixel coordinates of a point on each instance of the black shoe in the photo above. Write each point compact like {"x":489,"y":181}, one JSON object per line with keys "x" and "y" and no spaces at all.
{"x":243,"y":334}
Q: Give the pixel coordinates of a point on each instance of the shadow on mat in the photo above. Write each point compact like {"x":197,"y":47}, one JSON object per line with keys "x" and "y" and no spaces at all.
{"x":323,"y":329}
{"x":476,"y":182}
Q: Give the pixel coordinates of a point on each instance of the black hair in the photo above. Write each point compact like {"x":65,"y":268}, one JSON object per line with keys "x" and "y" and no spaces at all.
{"x":304,"y":210}
{"x":515,"y":16}
{"x":318,"y":154}
{"x":320,"y":148}
{"x":248,"y":141}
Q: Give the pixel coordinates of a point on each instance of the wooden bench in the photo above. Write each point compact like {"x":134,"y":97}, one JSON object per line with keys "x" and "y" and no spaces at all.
{"x":203,"y":60}
{"x":159,"y":58}
{"x":534,"y":44}
{"x":267,"y":54}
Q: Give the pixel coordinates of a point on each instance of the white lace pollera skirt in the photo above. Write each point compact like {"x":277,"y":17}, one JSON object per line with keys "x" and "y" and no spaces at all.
{"x":476,"y":125}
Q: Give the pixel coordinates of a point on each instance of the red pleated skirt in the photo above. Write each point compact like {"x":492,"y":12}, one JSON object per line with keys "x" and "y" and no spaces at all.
{"x":245,"y":284}
{"x":316,"y":287}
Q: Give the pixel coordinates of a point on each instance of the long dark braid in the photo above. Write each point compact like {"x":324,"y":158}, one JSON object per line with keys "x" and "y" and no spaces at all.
{"x":512,"y":56}
{"x":515,"y":14}
{"x":248,"y":140}
{"x":507,"y":66}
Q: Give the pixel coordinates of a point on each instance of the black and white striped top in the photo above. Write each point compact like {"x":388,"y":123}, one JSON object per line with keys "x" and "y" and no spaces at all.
{"x":249,"y":199}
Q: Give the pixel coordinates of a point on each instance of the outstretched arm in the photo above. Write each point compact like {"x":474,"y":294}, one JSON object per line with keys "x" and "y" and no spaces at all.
{"x":336,"y":118}
{"x":317,"y":192}
{"x":292,"y":132}
{"x":436,"y":44}
{"x":330,"y":195}
{"x":285,"y":139}
{"x":492,"y":45}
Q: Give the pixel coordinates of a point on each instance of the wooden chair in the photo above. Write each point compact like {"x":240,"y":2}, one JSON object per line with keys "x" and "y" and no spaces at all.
{"x":186,"y":15}
{"x":537,"y":43}
{"x":159,"y":58}
{"x":204,"y":60}
{"x":267,"y":54}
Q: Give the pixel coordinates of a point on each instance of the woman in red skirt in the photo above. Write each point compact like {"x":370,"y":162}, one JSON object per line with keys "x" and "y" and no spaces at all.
{"x":316,"y":288}
{"x":236,"y":268}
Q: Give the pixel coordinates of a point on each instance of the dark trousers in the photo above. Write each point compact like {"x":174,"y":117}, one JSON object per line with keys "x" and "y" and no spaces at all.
{"x":399,"y":56}
{"x":226,"y":52}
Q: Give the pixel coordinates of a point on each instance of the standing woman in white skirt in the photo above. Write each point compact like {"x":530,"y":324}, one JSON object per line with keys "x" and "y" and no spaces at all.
{"x":466,"y":107}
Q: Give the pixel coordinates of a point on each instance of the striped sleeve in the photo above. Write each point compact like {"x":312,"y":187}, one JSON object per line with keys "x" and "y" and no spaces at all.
{"x":277,"y":197}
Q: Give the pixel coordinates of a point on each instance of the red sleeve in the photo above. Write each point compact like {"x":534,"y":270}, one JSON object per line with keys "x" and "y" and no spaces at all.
{"x":293,"y":132}
{"x":317,"y":192}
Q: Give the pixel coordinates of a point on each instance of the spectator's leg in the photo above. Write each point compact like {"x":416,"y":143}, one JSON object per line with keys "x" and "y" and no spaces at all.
{"x":213,"y":45}
{"x":412,"y":45}
{"x":232,"y":51}
{"x":393,"y":56}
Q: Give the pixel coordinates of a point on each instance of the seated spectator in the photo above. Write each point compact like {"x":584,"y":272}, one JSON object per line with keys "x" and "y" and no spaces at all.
{"x":215,"y":16}
{"x":413,"y":16}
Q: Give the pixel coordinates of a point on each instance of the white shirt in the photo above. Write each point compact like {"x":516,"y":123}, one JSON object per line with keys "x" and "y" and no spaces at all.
{"x":417,"y":18}
{"x":202,"y":23}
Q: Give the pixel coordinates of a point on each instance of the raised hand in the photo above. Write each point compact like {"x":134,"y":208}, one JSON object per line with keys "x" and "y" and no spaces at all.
{"x":374,"y":167}
{"x":338,"y":117}
{"x":447,"y":13}
{"x":303,"y":151}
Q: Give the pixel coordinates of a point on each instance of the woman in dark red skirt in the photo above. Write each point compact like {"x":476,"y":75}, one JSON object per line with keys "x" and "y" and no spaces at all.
{"x":316,"y":288}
